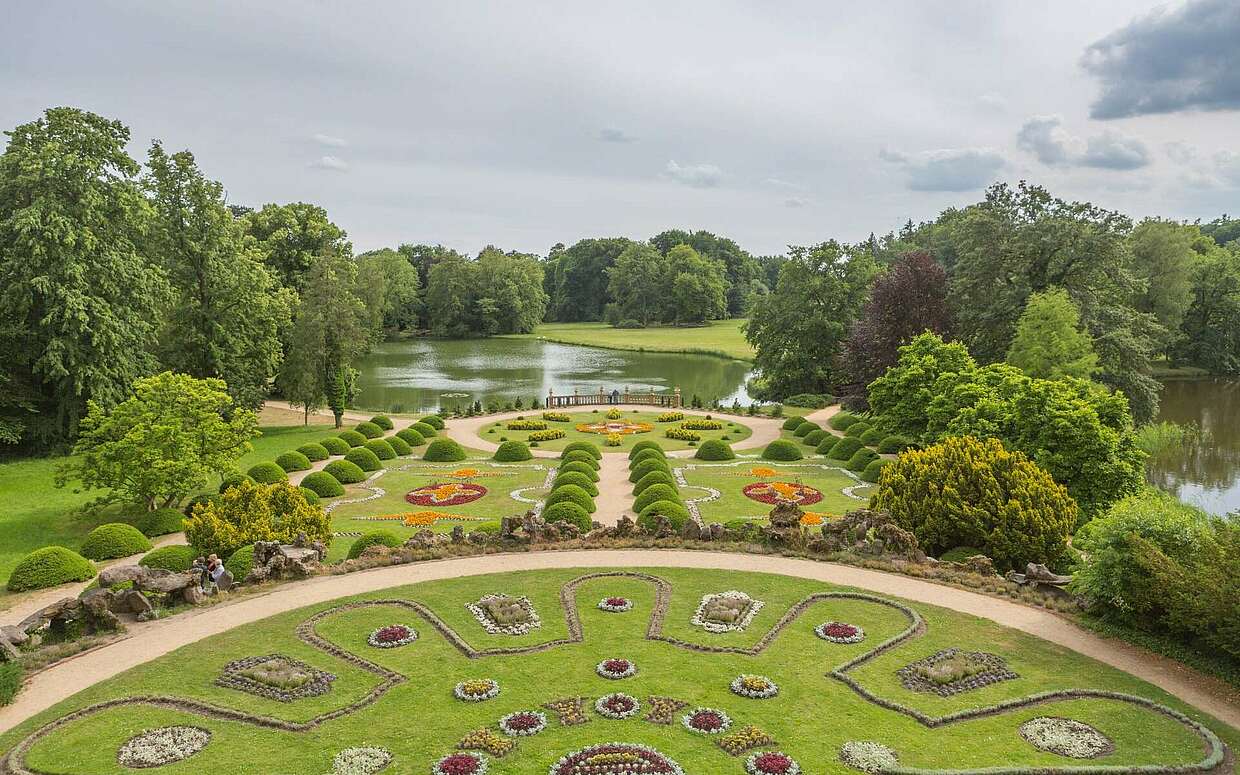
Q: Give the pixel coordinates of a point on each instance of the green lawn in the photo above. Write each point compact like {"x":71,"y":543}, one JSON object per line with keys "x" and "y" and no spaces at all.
{"x":733,"y":427}
{"x":720,"y":337}
{"x":730,"y":479}
{"x":418,"y":720}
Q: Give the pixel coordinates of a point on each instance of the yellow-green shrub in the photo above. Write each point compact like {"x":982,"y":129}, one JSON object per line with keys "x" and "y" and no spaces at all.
{"x":255,"y":512}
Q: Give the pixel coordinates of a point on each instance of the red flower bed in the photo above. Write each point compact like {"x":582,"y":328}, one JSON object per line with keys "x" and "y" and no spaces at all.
{"x":448,"y":494}
{"x":459,"y":764}
{"x":782,"y":492}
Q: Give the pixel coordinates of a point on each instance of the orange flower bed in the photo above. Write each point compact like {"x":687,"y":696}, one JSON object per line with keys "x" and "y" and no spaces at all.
{"x":622,"y":427}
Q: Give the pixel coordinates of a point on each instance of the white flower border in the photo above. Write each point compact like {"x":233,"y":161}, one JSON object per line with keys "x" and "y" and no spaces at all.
{"x":675,"y":768}
{"x":542,"y":723}
{"x":162,"y":745}
{"x":738,"y":688}
{"x":410,"y":638}
{"x":820,"y":631}
{"x":601,"y":669}
{"x":686,"y":721}
{"x":362,"y":760}
{"x":868,"y":756}
{"x":497,"y":629}
{"x":600,"y":706}
{"x":483,"y":763}
{"x":1065,"y":737}
{"x":755,"y":606}
{"x":751,"y":766}
{"x":627,"y":605}
{"x":459,"y":690}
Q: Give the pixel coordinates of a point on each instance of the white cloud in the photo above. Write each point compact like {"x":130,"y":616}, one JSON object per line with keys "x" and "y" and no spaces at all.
{"x":334,"y":163}
{"x":1045,"y":138}
{"x":947,"y":169}
{"x":696,"y":175}
{"x":329,"y":141}
{"x":796,"y":201}
{"x":1114,"y":151}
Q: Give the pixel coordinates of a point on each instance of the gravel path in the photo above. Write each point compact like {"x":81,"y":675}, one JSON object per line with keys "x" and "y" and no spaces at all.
{"x":149,"y":640}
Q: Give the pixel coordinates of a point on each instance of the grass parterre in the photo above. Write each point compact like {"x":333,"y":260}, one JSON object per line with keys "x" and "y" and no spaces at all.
{"x":629,"y":428}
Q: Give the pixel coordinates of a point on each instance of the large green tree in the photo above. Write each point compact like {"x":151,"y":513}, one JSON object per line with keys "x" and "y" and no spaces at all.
{"x":391,"y":288}
{"x":699,"y":287}
{"x":499,"y":293}
{"x":291,"y":237}
{"x":449,"y":297}
{"x":741,"y":269}
{"x":1211,"y":326}
{"x":1163,"y":261}
{"x":581,"y":278}
{"x":80,"y":303}
{"x":637,"y":283}
{"x":1049,"y":342}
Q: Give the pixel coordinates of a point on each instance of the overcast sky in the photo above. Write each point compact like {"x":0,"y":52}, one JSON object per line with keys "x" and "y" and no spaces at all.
{"x":525,"y":124}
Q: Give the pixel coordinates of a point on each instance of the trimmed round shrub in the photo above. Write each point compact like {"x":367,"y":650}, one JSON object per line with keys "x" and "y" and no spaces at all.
{"x":323,"y":484}
{"x":364,"y":459}
{"x":845,"y":448}
{"x":571,"y":493}
{"x":399,"y":446}
{"x":267,"y":472}
{"x":874,"y":469}
{"x":568,"y":511}
{"x":814,"y":437}
{"x":782,"y":449}
{"x":383,"y":421}
{"x":352,"y":438}
{"x":311,"y":496}
{"x":792,"y":422}
{"x":858,"y":429}
{"x":444,"y":450}
{"x":177,"y":558}
{"x":827,"y":444}
{"x":655,"y":493}
{"x":433,"y":420}
{"x":512,"y":452}
{"x":893,"y":445}
{"x":860,"y":459}
{"x":647,"y":454}
{"x":580,"y":456}
{"x":580,"y":467}
{"x":115,"y":539}
{"x":374,"y":538}
{"x":578,"y":479}
{"x":646,"y":466}
{"x":240,"y":562}
{"x":714,"y":449}
{"x":159,"y":522}
{"x":381,"y":448}
{"x":190,"y":505}
{"x":872,"y":436}
{"x":805,"y":428}
{"x":369,"y":430}
{"x":411,"y":437}
{"x":334,"y":446}
{"x":293,"y":461}
{"x":643,"y":444}
{"x":842,"y":420}
{"x":426,"y":430}
{"x":677,"y":514}
{"x":234,"y":479}
{"x":343,"y":471}
{"x":583,"y":446}
{"x":651,"y":479}
{"x":49,"y":567}
{"x":315,"y":452}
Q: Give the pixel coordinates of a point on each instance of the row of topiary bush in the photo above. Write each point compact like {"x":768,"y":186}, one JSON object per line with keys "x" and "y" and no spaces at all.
{"x":853,"y":449}
{"x":654,"y":487}
{"x":574,"y":488}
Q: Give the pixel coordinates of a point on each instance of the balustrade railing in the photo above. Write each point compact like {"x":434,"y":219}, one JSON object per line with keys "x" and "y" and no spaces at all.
{"x":604,"y":397}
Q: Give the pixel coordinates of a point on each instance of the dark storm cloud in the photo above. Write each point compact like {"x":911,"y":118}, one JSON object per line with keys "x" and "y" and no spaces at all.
{"x":1045,"y":138}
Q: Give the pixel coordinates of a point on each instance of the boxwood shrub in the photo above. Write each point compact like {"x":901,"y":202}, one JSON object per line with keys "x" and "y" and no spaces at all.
{"x":579,"y":456}
{"x":49,"y":567}
{"x":512,"y":452}
{"x":860,"y":459}
{"x":12,"y":674}
{"x":655,"y":493}
{"x":841,"y":420}
{"x":352,"y":438}
{"x":873,"y":436}
{"x":714,"y":449}
{"x":646,"y":466}
{"x":444,"y":450}
{"x":190,"y":505}
{"x":399,"y":446}
{"x":267,"y":472}
{"x":343,"y":471}
{"x":382,"y":449}
{"x":433,"y":420}
{"x":159,"y":522}
{"x":311,"y":496}
{"x":576,"y":478}
{"x":792,"y":422}
{"x":425,"y":429}
{"x":115,"y":539}
{"x":334,"y":446}
{"x":240,"y":562}
{"x":647,"y":454}
{"x":176,"y":558}
{"x":293,"y":461}
{"x":874,"y":469}
{"x":809,"y":400}
{"x":567,"y":511}
{"x":644,"y":444}
{"x":234,"y":479}
{"x":814,"y":437}
{"x":315,"y":452}
{"x":782,"y":449}
{"x":373,"y":538}
{"x":677,"y":514}
{"x":894,"y":444}
{"x":580,"y":467}
{"x":651,"y":479}
{"x":369,"y":430}
{"x":582,"y":446}
{"x":858,"y":429}
{"x":364,"y":459}
{"x":572,"y":494}
{"x":411,"y":437}
{"x":805,"y":428}
{"x":383,"y":421}
{"x":845,"y":448}
{"x":828,"y":442}
{"x":324,"y":484}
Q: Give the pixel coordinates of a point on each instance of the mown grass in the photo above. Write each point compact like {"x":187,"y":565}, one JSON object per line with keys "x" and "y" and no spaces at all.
{"x":812,"y":716}
{"x":722,"y":338}
{"x":730,"y":480}
{"x":733,"y":427}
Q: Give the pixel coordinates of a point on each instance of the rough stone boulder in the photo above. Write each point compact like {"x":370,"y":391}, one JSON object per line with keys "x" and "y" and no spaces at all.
{"x":784,"y":525}
{"x":275,"y":561}
{"x":426,"y":539}
{"x":869,"y":532}
{"x":1037,"y":574}
{"x":692,"y":531}
{"x":120,"y":574}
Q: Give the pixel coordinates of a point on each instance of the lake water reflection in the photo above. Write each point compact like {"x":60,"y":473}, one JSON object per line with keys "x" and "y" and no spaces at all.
{"x":1206,"y":475}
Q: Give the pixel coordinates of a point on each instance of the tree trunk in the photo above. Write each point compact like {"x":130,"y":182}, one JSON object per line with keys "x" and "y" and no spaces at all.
{"x":339,"y":418}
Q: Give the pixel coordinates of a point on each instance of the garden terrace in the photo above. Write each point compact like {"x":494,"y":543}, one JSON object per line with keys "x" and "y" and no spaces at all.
{"x":632,"y":425}
{"x":750,"y":488}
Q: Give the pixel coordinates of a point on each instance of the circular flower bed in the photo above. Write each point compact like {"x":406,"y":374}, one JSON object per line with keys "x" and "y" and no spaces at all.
{"x":840,"y":632}
{"x":464,"y":763}
{"x":523,"y":723}
{"x":446,"y":494}
{"x":772,"y":763}
{"x":782,"y":492}
{"x":755,"y":687}
{"x":476,"y":689}
{"x":619,"y":427}
{"x":616,"y":669}
{"x":617,"y":706}
{"x":617,"y":605}
{"x":615,"y":759}
{"x":361,"y":761}
{"x":706,"y":721}
{"x":1066,"y":737}
{"x":165,"y":745}
{"x":868,"y":756}
{"x":391,"y":636}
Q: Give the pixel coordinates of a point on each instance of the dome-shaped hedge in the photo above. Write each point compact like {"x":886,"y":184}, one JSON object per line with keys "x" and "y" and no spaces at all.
{"x":383,"y":421}
{"x":369,"y":430}
{"x":234,"y":479}
{"x":364,"y":459}
{"x":873,"y":436}
{"x":652,"y":478}
{"x":311,"y":496}
{"x":857,"y":429}
{"x":49,"y":567}
{"x":874,"y":470}
{"x":293,"y":461}
{"x":814,"y":437}
{"x":579,"y":467}
{"x":382,"y":449}
{"x":714,"y":449}
{"x":582,"y":446}
{"x":647,"y":454}
{"x":115,"y":539}
{"x":655,"y":493}
{"x":512,"y":452}
{"x":578,"y":479}
{"x":315,"y":452}
{"x":645,"y":467}
{"x":433,"y":420}
{"x":781,"y":449}
{"x":827,"y":444}
{"x":324,"y":484}
{"x":677,"y":514}
{"x":444,"y":450}
{"x":580,"y":456}
{"x":860,"y":459}
{"x":841,"y":420}
{"x":344,"y":472}
{"x":240,"y":562}
{"x":572,"y":494}
{"x":335,"y":445}
{"x":159,"y":522}
{"x":267,"y":472}
{"x":567,"y":511}
{"x":792,"y":422}
{"x":399,"y":445}
{"x":374,"y":538}
{"x":352,"y":438}
{"x":177,"y":558}
{"x":425,"y":429}
{"x":891,"y":445}
{"x":845,"y":448}
{"x":805,"y":428}
{"x":411,"y":437}
{"x":644,"y":444}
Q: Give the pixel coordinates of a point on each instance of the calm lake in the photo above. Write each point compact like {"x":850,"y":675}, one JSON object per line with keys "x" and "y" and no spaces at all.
{"x":1206,"y":475}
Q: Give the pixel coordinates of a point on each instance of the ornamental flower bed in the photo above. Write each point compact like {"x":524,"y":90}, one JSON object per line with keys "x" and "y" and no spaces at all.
{"x":694,"y":424}
{"x":488,"y":741}
{"x":781,"y":492}
{"x":755,"y":687}
{"x":392,"y":636}
{"x":527,"y":425}
{"x":616,"y":669}
{"x":772,"y":763}
{"x":953,"y":671}
{"x":613,"y":440}
{"x":840,"y":632}
{"x":165,"y":745}
{"x":670,"y":417}
{"x":476,"y":690}
{"x":556,"y":417}
{"x":446,"y":494}
{"x":615,"y":759}
{"x":868,"y":756}
{"x":621,"y":427}
{"x":742,"y":740}
{"x":461,"y":764}
{"x":361,"y":761}
{"x":616,"y":605}
{"x":523,"y":723}
{"x":505,"y":615}
{"x":681,"y":434}
{"x":706,"y":721}
{"x":614,"y":414}
{"x":547,"y":435}
{"x":571,"y":711}
{"x":730,"y":611}
{"x":275,"y":677}
{"x":617,"y":706}
{"x":663,"y":710}
{"x":1066,"y":737}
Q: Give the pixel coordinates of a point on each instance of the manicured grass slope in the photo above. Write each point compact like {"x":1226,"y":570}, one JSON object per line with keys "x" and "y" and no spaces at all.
{"x":730,"y":479}
{"x":419,"y":720}
{"x":733,"y":427}
{"x":720,"y":337}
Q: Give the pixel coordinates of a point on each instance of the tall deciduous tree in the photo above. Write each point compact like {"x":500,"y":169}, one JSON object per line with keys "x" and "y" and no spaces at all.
{"x":391,"y":288}
{"x":698,"y":285}
{"x":740,"y":268}
{"x":291,"y":237}
{"x":1164,"y":261}
{"x":636,"y":283}
{"x":79,"y":301}
{"x":1211,"y":325}
{"x":581,"y":278}
{"x":499,"y":293}
{"x":1049,"y":342}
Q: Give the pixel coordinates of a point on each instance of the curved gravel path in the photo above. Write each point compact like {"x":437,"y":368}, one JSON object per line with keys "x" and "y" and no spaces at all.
{"x":149,"y":640}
